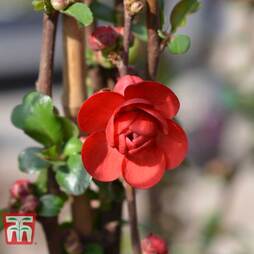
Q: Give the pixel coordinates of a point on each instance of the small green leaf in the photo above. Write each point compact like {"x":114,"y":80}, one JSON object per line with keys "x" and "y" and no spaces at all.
{"x":181,"y":11}
{"x":93,"y":248}
{"x":30,"y":160}
{"x":73,"y":178}
{"x":180,"y":44}
{"x":73,"y":146}
{"x":36,"y":117}
{"x":42,"y":182}
{"x":81,"y":12}
{"x":38,"y":5}
{"x":50,"y":205}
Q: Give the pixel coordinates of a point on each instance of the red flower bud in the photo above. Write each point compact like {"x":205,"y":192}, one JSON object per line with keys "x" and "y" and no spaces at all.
{"x":103,"y":37}
{"x":20,"y":189}
{"x":29,"y":204}
{"x":153,"y":244}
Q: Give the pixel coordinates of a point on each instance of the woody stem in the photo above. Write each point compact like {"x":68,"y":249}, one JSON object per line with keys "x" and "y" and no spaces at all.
{"x":133,"y":219}
{"x":44,"y":85}
{"x":123,"y":68}
{"x":130,"y":191}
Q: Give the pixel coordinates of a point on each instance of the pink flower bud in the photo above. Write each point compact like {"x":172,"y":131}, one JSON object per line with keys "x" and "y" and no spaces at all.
{"x":103,"y":37}
{"x":20,"y":189}
{"x":153,"y":244}
{"x":29,"y":204}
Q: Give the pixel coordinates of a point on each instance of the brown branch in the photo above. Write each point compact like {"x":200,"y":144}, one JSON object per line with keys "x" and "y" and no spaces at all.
{"x":73,"y":97}
{"x":123,"y":68}
{"x":45,"y":79}
{"x":133,"y":219}
{"x":153,"y":43}
{"x":52,"y":233}
{"x":44,"y":85}
{"x":130,"y":192}
{"x":74,"y":67}
{"x":119,"y":17}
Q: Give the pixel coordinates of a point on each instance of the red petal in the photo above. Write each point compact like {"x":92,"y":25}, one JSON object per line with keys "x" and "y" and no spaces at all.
{"x":160,"y":96}
{"x":125,"y":81}
{"x":145,"y":168}
{"x":97,"y":110}
{"x":174,"y":145}
{"x":157,"y":116}
{"x":102,"y":162}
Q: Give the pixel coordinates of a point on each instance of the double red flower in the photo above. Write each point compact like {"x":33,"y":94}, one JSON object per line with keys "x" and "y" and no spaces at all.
{"x":131,"y":134}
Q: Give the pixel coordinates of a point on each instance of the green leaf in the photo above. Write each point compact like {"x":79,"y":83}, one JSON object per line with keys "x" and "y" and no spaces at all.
{"x":51,"y":153}
{"x":180,"y":44}
{"x":93,"y":248}
{"x":42,"y":182}
{"x":73,"y":178}
{"x":30,"y":161}
{"x":140,"y":31}
{"x":35,"y":116}
{"x":81,"y":12}
{"x":181,"y":11}
{"x":69,"y":129}
{"x":50,"y":205}
{"x":73,"y":146}
{"x":102,"y":11}
{"x":38,"y":5}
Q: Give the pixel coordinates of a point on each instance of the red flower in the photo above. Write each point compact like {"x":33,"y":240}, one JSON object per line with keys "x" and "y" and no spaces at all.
{"x":103,"y":37}
{"x":20,"y":189}
{"x":153,"y":244}
{"x":131,"y":134}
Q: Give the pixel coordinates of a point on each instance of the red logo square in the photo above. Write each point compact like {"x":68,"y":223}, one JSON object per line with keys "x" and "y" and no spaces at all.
{"x":19,"y":227}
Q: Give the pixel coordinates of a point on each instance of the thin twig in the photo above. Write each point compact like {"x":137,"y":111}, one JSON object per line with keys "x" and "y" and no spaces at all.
{"x":130,"y":191}
{"x":44,"y":85}
{"x":126,"y":42}
{"x":133,"y":219}
{"x":153,"y":43}
{"x":45,"y":79}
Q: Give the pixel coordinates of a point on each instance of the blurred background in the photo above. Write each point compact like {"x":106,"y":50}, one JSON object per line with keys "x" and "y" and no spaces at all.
{"x":207,"y":206}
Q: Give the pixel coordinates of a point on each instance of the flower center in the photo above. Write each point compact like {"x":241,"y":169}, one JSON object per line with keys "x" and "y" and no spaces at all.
{"x":135,"y":131}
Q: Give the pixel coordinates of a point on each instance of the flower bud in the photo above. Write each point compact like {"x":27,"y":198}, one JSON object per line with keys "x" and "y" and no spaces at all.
{"x":103,"y":37}
{"x":60,"y":5}
{"x":134,"y":6}
{"x":29,"y":204}
{"x":20,"y":189}
{"x":153,"y":244}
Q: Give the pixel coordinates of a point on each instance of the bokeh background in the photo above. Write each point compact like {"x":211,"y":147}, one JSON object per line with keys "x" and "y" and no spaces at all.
{"x":205,"y":207}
